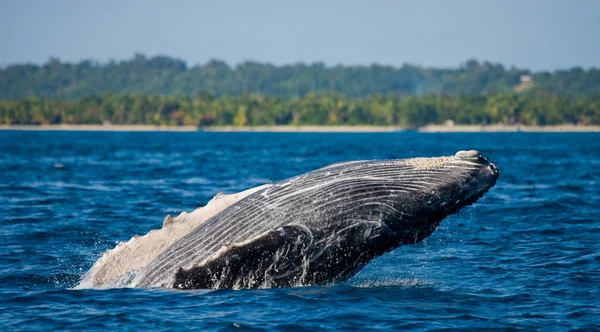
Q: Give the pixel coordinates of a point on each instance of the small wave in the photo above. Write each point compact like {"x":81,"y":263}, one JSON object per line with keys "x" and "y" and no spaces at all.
{"x":58,"y":280}
{"x":401,"y":282}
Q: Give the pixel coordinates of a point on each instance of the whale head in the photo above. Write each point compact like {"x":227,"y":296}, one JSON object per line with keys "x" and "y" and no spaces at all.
{"x":430,"y":189}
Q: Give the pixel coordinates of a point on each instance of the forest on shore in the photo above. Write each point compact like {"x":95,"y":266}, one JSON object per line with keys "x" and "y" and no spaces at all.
{"x":165,"y":91}
{"x":332,"y":109}
{"x":165,"y":76}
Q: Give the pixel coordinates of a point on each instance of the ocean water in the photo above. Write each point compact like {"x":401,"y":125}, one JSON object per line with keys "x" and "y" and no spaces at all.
{"x":526,"y":256}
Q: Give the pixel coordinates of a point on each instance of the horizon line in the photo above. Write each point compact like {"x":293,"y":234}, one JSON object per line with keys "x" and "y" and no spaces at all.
{"x":189,"y":65}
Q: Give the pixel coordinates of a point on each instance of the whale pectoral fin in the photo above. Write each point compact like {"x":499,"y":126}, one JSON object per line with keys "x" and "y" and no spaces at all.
{"x":272,"y":259}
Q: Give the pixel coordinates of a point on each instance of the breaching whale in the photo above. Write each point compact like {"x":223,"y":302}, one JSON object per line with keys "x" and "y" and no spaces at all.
{"x":323,"y":226}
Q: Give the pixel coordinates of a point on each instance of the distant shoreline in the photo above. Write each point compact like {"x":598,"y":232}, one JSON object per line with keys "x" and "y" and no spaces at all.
{"x":139,"y":128}
{"x":306,"y":129}
{"x":84,"y":127}
{"x":309,"y":129}
{"x":499,"y":128}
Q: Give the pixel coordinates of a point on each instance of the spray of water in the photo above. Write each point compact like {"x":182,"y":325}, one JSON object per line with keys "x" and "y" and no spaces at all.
{"x":117,"y":267}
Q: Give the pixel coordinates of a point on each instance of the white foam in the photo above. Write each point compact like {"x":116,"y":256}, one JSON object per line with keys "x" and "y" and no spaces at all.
{"x":391,"y":282}
{"x":118,"y":266}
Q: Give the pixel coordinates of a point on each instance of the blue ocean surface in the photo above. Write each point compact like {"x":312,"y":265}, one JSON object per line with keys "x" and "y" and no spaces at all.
{"x":525,"y":256}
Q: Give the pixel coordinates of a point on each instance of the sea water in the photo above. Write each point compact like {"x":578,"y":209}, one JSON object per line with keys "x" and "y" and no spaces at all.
{"x":527,"y":255}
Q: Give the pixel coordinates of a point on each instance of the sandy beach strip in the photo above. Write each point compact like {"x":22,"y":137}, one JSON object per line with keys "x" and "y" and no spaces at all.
{"x":306,"y":129}
{"x":82,"y":127}
{"x":507,"y":128}
{"x":279,"y":129}
{"x":311,"y":129}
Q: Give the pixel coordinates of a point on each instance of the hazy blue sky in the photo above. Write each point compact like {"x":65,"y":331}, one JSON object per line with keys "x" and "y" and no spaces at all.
{"x":535,"y":34}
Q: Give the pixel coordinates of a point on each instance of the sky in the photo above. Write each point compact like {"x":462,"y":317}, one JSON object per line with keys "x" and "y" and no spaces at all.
{"x":531,"y":34}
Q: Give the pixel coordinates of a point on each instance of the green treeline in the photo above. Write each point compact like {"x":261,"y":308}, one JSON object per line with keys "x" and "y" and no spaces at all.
{"x":165,"y":76}
{"x":312,"y":109}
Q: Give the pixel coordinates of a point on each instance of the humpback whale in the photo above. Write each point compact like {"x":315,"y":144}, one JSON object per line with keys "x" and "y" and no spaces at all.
{"x":321,"y":227}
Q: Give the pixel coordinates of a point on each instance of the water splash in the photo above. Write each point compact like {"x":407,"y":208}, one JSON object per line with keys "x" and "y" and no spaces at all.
{"x":119,"y":266}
